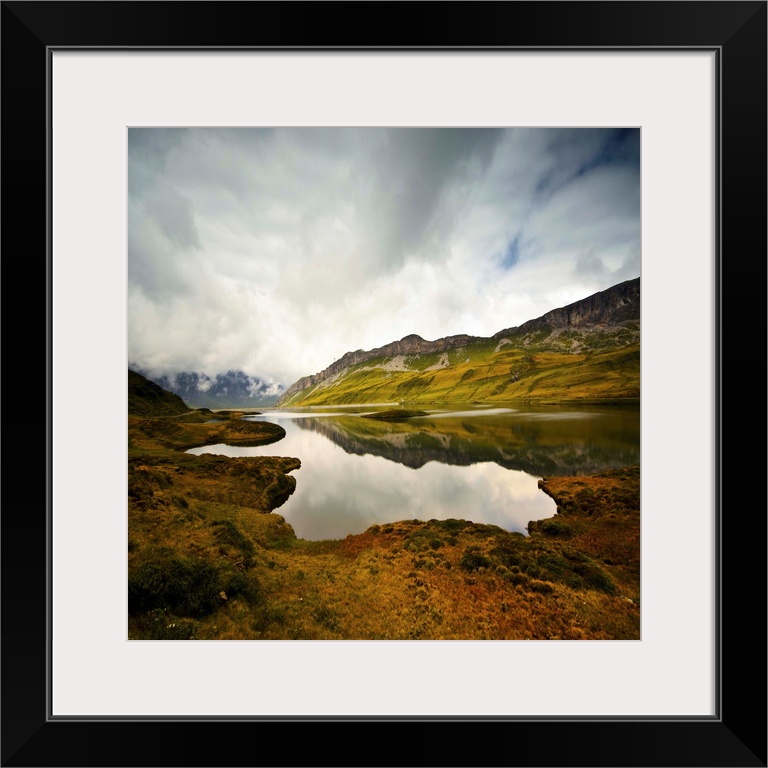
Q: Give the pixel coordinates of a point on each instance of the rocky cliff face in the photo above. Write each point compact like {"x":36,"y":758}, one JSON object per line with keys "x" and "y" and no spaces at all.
{"x":614,"y":306}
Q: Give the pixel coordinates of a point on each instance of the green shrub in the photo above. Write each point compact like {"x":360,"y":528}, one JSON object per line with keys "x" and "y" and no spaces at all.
{"x":483,"y":531}
{"x":556,"y":528}
{"x":243,"y":585}
{"x":473,"y":561}
{"x":421,"y":540}
{"x":586,"y":501}
{"x":574,"y":581}
{"x":226,"y":532}
{"x":531,"y":569}
{"x":183,"y":585}
{"x":595,"y":578}
{"x":553,"y":565}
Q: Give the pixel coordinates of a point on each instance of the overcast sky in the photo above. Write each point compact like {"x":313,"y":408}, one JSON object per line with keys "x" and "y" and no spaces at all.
{"x":275,"y":251}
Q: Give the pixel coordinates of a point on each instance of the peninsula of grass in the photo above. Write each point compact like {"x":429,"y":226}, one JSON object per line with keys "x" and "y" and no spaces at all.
{"x":394,"y":415}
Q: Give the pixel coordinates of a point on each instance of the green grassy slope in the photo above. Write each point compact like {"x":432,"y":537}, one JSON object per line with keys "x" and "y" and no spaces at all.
{"x":487,"y":371}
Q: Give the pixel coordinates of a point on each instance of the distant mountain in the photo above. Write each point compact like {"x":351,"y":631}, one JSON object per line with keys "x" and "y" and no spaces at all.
{"x":232,"y":389}
{"x":146,"y":398}
{"x":588,"y":349}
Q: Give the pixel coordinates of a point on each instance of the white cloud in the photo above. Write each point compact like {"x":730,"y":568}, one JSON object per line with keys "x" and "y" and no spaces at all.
{"x":276,"y":251}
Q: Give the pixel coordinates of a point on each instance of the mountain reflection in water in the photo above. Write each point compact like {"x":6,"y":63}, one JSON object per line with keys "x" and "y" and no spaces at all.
{"x":474,"y":465}
{"x":558,"y":442}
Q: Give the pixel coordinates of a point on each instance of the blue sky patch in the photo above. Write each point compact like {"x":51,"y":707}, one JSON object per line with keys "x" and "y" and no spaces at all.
{"x":620,"y":146}
{"x":512,"y":254}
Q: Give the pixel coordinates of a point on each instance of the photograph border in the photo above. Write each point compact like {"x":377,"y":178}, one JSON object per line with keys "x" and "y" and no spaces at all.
{"x":736,"y":735}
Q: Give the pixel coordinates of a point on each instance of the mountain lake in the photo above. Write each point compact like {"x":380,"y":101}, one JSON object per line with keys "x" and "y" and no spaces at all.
{"x":473,"y":463}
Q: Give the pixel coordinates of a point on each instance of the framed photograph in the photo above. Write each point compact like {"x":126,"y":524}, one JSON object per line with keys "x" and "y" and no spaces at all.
{"x":95,"y":95}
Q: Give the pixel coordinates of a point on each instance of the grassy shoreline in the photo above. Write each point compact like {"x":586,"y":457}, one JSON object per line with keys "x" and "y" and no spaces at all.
{"x":210,"y":559}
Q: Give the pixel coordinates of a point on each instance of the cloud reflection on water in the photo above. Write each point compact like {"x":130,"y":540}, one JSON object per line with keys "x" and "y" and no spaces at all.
{"x":338,"y":493}
{"x":357,"y":472}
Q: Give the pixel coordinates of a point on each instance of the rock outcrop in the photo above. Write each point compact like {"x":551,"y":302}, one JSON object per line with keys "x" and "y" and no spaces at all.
{"x":614,"y":306}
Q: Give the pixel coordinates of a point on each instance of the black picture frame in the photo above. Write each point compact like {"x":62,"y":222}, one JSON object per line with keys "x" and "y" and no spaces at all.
{"x":736,"y":736}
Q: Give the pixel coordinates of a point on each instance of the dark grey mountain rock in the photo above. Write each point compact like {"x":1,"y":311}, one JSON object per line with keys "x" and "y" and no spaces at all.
{"x":611,"y":307}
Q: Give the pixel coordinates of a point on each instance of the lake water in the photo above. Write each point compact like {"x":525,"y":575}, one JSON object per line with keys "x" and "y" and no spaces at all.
{"x":479,"y":464}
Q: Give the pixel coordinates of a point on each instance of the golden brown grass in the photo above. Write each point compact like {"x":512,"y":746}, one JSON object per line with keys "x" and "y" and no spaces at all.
{"x":209,"y":560}
{"x":602,"y":514}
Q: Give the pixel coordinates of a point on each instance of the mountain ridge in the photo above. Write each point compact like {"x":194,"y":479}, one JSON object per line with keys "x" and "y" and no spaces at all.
{"x":614,"y":305}
{"x":408,"y":345}
{"x":146,"y":398}
{"x":228,"y":389}
{"x":605,"y":320}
